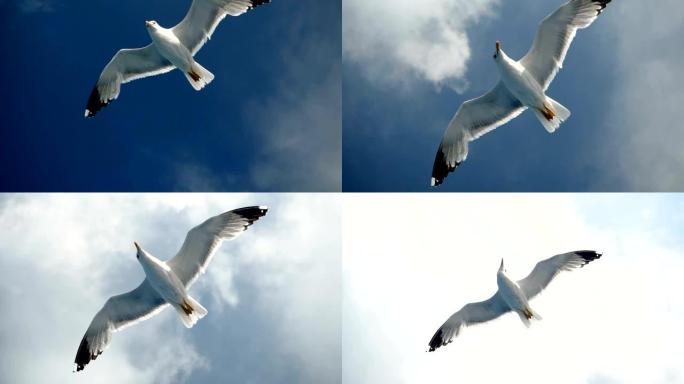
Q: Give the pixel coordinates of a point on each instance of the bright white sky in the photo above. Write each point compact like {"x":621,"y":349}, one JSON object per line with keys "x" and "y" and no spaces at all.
{"x":410,"y":261}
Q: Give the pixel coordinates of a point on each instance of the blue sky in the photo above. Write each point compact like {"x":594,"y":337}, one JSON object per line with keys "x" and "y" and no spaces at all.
{"x":265,"y":323}
{"x":270,"y":121}
{"x":406,"y":72}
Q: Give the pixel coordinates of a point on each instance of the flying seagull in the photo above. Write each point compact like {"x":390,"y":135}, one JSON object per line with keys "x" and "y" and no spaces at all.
{"x":511,"y":296}
{"x":170,"y":48}
{"x":166,"y":283}
{"x":522,"y":85}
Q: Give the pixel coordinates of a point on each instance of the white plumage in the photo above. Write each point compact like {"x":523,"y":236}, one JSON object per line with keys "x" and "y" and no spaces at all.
{"x":170,"y":48}
{"x":523,"y":84}
{"x":511,"y":295}
{"x":166,"y":283}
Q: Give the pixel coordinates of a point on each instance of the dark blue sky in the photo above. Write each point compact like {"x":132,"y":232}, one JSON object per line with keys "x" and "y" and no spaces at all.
{"x":392,"y":131}
{"x":268,"y":122}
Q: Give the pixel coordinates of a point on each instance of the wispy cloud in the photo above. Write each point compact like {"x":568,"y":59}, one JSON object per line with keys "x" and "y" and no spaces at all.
{"x":643,"y":119}
{"x":396,"y":40}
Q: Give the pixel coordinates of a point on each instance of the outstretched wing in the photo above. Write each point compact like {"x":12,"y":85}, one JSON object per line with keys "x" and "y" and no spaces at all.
{"x":127,"y":65}
{"x":202,"y":241}
{"x":118,"y":312}
{"x":203,"y":17}
{"x":473,"y":119}
{"x":472,"y":313}
{"x":546,"y":270}
{"x":555,"y":35}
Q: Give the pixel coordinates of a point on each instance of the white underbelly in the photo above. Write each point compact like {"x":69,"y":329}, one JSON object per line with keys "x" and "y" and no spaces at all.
{"x":525,"y":89}
{"x":512,"y":296}
{"x":174,"y":52}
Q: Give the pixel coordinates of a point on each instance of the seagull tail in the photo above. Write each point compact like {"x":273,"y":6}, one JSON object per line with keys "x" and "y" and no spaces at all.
{"x":190,"y":311}
{"x":552,"y":115}
{"x":198,"y":76}
{"x":528,"y":314}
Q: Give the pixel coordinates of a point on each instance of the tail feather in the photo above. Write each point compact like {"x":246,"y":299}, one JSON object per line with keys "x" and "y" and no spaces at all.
{"x":553,"y":114}
{"x":190,"y":311}
{"x":198,"y":76}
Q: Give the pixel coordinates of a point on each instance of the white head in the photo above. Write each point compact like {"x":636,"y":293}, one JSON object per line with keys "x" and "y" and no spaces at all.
{"x":151,"y":24}
{"x":498,"y":50}
{"x":139,"y":251}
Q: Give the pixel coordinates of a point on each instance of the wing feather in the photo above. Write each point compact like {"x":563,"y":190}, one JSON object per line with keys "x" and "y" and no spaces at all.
{"x":473,"y":313}
{"x":204,"y":15}
{"x":118,"y":313}
{"x":554,"y":36}
{"x":202,"y":241}
{"x":548,"y":269}
{"x":127,"y":65}
{"x":473,"y":119}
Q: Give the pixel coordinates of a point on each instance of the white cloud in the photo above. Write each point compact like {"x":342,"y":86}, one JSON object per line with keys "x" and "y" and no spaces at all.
{"x":644,"y":116}
{"x":410,"y":261}
{"x":61,"y":256}
{"x":424,"y":39}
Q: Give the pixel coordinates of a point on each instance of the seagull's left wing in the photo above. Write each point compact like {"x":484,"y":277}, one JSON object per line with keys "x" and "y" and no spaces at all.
{"x":472,"y":313}
{"x":202,"y":241}
{"x":203,"y":17}
{"x":127,"y":65}
{"x":546,"y":270}
{"x":555,"y":35}
{"x":473,"y":119}
{"x":118,"y":312}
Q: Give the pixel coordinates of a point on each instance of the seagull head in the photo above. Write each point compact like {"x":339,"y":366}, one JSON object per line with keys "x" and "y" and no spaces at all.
{"x":501,"y":267}
{"x":150,"y":23}
{"x":498,"y":48}
{"x":139,"y":250}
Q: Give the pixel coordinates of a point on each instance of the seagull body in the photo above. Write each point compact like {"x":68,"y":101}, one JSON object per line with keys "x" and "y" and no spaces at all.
{"x":171,"y":48}
{"x":522,"y":85}
{"x":512,"y":296}
{"x":166,"y":283}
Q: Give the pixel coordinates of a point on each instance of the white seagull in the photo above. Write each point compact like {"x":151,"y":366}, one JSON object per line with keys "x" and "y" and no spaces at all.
{"x":511,"y":296}
{"x":523,"y":84}
{"x":170,"y":48}
{"x":166,"y":283}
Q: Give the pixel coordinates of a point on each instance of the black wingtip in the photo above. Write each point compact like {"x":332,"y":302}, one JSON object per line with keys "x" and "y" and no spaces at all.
{"x":95,"y":104}
{"x":252,"y":214}
{"x":256,"y":3}
{"x":441,"y":168}
{"x":83,"y":355}
{"x":588,"y":256}
{"x":436,"y":341}
{"x":603,"y":4}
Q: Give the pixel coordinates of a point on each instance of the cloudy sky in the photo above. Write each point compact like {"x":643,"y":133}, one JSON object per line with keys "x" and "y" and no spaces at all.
{"x":408,"y":65}
{"x":270,"y":121}
{"x":273,"y":294}
{"x":419,"y":258}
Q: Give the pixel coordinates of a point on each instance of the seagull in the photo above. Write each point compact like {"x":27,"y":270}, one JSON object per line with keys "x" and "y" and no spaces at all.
{"x":170,"y":48}
{"x":511,"y":296}
{"x":166,"y":283}
{"x":522,"y":85}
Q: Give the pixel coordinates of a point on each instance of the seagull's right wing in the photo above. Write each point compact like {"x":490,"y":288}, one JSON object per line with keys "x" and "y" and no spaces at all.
{"x":127,"y":65}
{"x":202,"y":241}
{"x":472,"y":313}
{"x":473,"y":119}
{"x":546,"y":270}
{"x":554,"y":36}
{"x":204,"y":15}
{"x":118,"y":312}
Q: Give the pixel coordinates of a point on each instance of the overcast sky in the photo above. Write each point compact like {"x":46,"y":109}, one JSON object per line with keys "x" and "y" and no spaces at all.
{"x":407,"y":66}
{"x":419,"y":258}
{"x":273,"y":294}
{"x":270,"y":121}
